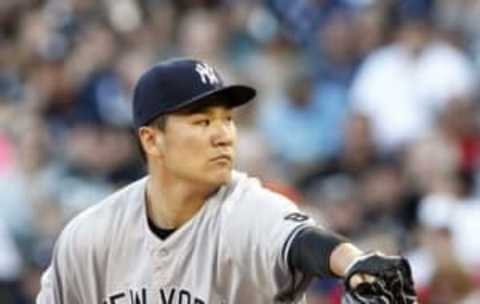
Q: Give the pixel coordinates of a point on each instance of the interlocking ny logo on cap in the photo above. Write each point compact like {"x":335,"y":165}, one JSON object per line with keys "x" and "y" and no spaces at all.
{"x":207,"y":73}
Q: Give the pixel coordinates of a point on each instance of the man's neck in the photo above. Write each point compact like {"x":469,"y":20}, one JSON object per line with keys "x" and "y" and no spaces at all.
{"x":172,"y":203}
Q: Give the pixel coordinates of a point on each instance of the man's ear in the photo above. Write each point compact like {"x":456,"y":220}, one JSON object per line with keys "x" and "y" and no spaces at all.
{"x":152,"y":140}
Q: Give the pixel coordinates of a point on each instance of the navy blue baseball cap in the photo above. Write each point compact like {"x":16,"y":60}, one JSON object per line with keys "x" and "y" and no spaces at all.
{"x":173,"y":85}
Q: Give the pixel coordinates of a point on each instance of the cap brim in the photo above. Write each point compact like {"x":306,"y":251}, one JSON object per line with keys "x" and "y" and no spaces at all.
{"x":233,"y":96}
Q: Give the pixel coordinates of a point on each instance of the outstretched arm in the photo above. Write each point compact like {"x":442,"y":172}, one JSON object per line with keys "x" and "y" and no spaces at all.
{"x":368,"y":278}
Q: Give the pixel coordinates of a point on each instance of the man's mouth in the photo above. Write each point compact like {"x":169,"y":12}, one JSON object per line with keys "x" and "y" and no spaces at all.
{"x":222,"y":157}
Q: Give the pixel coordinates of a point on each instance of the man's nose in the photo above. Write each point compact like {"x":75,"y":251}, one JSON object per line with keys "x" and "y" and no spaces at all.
{"x":222,"y":134}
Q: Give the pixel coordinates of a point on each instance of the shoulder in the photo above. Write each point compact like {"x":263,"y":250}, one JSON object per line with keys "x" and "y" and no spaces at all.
{"x":93,"y":228}
{"x":118,"y":204}
{"x":259,"y":220}
{"x":247,"y":194}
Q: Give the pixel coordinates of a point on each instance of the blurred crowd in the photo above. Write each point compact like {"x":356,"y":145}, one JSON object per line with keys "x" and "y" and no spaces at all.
{"x":367,"y":116}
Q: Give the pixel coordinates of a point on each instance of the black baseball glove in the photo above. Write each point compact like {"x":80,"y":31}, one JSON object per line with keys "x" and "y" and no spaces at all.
{"x":390,"y":281}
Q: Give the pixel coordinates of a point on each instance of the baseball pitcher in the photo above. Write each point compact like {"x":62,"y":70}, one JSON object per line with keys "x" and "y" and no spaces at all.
{"x":195,"y":231}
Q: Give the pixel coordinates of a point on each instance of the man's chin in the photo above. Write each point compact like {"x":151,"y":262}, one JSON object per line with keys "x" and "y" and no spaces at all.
{"x":215,"y":181}
{"x":221,"y":177}
{"x":224,"y":176}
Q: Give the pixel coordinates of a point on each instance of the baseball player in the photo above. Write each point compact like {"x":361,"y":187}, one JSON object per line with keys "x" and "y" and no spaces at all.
{"x":194,"y":230}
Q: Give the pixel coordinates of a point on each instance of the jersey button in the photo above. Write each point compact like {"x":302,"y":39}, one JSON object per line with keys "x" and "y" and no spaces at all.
{"x":162,"y":253}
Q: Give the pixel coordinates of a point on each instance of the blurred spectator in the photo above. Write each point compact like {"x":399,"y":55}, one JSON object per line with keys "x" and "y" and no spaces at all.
{"x":402,"y":86}
{"x":6,"y":153}
{"x":106,"y":92}
{"x":458,"y":20}
{"x":335,"y":56}
{"x":202,"y":34}
{"x":25,"y":184}
{"x":10,"y":266}
{"x":370,"y":28}
{"x":451,"y":284}
{"x":99,"y":159}
{"x":460,"y":126}
{"x":308,"y":123}
{"x":302,"y":18}
{"x":460,"y":216}
{"x":382,"y":194}
{"x":357,"y":154}
{"x":334,"y":201}
{"x":437,"y":271}
{"x":10,"y":260}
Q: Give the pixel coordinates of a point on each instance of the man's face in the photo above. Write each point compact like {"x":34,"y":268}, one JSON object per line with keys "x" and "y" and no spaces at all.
{"x":199,"y":145}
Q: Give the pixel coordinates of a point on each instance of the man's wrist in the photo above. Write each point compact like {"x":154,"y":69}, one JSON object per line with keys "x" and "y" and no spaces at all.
{"x":342,"y":257}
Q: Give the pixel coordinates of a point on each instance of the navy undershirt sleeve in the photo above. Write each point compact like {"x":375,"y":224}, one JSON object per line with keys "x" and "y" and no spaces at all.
{"x":311,"y":249}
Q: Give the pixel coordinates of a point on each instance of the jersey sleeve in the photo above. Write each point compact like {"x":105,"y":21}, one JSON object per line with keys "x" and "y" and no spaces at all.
{"x":70,"y":278}
{"x":260,"y":227}
{"x":58,"y":281}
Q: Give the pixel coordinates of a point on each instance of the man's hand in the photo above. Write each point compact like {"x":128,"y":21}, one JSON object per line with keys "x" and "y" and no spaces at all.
{"x":379,"y":279}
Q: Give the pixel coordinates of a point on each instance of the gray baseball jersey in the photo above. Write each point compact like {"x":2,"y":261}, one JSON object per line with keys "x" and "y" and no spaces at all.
{"x":234,"y":250}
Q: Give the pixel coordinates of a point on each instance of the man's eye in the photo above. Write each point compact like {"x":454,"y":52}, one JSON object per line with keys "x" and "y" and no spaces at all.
{"x":202,"y":122}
